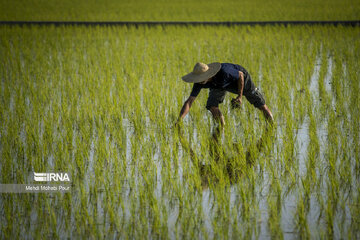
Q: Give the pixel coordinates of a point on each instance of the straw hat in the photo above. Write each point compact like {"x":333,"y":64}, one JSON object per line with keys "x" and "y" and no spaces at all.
{"x":202,"y":72}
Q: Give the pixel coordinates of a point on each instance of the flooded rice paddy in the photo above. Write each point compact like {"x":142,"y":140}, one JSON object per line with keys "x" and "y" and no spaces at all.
{"x":101,"y":103}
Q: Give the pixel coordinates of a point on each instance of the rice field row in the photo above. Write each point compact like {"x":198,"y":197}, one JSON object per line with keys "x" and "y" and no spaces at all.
{"x":179,"y":10}
{"x":101,"y":103}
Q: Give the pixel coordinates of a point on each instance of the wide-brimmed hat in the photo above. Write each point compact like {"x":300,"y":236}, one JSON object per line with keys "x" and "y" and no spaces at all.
{"x":202,"y":72}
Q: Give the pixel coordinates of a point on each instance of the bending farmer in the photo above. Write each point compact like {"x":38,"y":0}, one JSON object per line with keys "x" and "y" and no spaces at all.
{"x":220,"y":78}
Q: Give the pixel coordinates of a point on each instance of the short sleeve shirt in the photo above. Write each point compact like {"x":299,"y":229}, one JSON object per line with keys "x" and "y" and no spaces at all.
{"x":225,"y":79}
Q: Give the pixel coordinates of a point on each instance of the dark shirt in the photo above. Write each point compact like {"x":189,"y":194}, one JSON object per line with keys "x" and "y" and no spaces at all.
{"x":227,"y":79}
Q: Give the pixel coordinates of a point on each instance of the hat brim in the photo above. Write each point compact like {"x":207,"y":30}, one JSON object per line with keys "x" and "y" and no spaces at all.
{"x":214,"y":68}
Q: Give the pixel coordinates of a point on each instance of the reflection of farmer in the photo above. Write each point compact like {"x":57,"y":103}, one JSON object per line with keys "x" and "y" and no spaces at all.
{"x":222,"y":77}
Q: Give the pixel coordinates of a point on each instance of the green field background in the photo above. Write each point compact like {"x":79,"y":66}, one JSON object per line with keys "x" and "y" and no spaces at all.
{"x":100,"y":103}
{"x":178,"y":10}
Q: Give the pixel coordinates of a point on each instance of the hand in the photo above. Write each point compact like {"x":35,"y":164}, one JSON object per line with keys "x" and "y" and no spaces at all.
{"x":177,"y":123}
{"x":239,"y":99}
{"x":236,"y":102}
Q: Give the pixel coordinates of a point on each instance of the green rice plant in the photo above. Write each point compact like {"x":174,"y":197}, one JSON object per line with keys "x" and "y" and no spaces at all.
{"x":274,"y":218}
{"x":100,"y":103}
{"x":302,"y":224}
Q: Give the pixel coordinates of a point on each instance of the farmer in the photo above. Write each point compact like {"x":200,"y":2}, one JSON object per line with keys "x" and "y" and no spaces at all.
{"x":220,"y":78}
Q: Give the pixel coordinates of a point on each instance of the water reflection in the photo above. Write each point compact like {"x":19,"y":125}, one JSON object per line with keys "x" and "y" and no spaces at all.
{"x":223,"y":165}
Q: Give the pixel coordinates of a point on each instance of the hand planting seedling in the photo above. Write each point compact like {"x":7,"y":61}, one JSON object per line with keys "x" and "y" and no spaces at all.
{"x":222,"y":78}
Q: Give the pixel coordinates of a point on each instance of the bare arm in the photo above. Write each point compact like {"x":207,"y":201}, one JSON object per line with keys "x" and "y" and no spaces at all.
{"x":240,"y":85}
{"x":236,"y":102}
{"x":186,"y":107}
